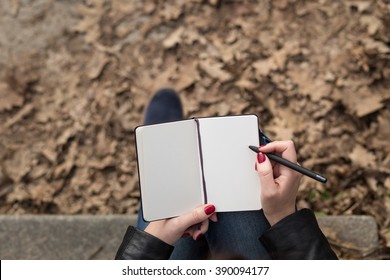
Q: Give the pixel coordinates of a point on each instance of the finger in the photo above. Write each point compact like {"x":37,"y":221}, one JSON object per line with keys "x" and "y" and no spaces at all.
{"x":196,"y":231}
{"x":214,"y":217}
{"x":193,"y":228}
{"x":196,"y":216}
{"x":201,"y":230}
{"x":264,"y":169}
{"x":189,"y":232}
{"x":186,"y":234}
{"x":284,"y":148}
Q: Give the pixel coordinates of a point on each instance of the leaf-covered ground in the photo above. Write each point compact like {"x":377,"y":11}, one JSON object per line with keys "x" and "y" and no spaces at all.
{"x":314,"y":71}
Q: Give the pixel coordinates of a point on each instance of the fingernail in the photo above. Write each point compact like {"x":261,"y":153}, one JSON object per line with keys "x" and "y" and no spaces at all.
{"x":186,"y":234}
{"x":260,"y":157}
{"x":209,"y":209}
{"x":199,"y":237}
{"x":255,"y":166}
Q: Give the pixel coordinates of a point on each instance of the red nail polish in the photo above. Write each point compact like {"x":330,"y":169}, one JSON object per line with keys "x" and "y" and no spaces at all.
{"x":198,"y":237}
{"x":255,"y":166}
{"x":186,"y":234}
{"x":209,"y":209}
{"x":260,"y":157}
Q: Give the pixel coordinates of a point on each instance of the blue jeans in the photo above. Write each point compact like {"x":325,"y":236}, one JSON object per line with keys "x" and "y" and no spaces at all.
{"x":236,"y":234}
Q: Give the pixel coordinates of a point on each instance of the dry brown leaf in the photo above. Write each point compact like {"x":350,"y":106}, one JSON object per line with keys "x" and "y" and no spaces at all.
{"x":368,"y":105}
{"x":362,"y":101}
{"x":362,"y":157}
{"x":19,"y":165}
{"x":171,"y":12}
{"x":361,"y":6}
{"x":164,"y":79}
{"x":222,"y":108}
{"x":120,"y":9}
{"x":81,"y":178}
{"x":38,"y":171}
{"x":214,"y":2}
{"x":96,"y":65}
{"x":276,"y":62}
{"x":191,"y":35}
{"x":372,"y":23}
{"x":104,"y":146}
{"x":49,"y":152}
{"x":149,"y":7}
{"x":387,"y":184}
{"x":214,"y":70}
{"x":383,"y":125}
{"x":264,"y":67}
{"x":25,"y":111}
{"x":65,"y":135}
{"x":289,"y":118}
{"x":226,"y":52}
{"x":232,"y":36}
{"x":263,"y":9}
{"x":372,"y":46}
{"x":14,"y":6}
{"x":187,"y":75}
{"x":8,"y":98}
{"x":386,"y":235}
{"x":280,"y":129}
{"x":64,"y":168}
{"x":123,"y":29}
{"x":280,"y":4}
{"x":310,"y":85}
{"x":42,"y":191}
{"x":280,"y":57}
{"x":245,"y":84}
{"x":174,"y":38}
{"x":372,"y":183}
{"x":19,"y":194}
{"x":90,"y":23}
{"x":96,"y":187}
{"x":102,"y":163}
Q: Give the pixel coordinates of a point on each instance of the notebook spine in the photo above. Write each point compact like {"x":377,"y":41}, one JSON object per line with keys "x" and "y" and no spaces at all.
{"x":201,"y":160}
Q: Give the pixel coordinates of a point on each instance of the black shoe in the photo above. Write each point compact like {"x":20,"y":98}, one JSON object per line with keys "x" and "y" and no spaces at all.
{"x":165,"y":106}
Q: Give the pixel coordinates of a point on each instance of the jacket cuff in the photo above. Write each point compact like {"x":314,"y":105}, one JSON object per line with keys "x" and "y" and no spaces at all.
{"x":140,"y":245}
{"x":297,"y":236}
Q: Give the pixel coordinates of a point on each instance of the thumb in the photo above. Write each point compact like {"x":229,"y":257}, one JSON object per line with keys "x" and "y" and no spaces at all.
{"x":196,"y":216}
{"x":264,"y":168}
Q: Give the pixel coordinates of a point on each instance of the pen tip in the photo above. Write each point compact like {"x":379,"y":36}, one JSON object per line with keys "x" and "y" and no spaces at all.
{"x":254,"y":148}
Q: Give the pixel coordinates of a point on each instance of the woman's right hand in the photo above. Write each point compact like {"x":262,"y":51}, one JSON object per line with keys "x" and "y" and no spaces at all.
{"x":279,"y":184}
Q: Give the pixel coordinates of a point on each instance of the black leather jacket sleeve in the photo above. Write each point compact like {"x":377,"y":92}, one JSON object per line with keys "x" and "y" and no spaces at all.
{"x":297,"y":237}
{"x":140,"y":245}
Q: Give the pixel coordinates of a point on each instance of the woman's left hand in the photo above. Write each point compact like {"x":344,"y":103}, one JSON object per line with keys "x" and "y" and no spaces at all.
{"x":194,"y":223}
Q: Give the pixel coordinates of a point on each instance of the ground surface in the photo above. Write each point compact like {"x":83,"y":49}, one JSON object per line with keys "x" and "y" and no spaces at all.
{"x":75,"y":78}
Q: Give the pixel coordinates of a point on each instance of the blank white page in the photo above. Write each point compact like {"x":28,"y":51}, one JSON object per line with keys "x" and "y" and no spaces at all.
{"x":169,"y":169}
{"x":232,"y":183}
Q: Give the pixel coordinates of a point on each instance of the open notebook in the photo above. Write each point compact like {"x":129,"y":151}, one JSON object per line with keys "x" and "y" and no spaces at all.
{"x":187,"y":163}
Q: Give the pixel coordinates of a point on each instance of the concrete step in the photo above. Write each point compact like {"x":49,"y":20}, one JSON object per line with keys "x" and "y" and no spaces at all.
{"x":356,"y":236}
{"x":84,"y":237}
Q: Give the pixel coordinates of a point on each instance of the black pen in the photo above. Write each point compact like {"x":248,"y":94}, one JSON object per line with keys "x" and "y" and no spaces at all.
{"x":292,"y":165}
